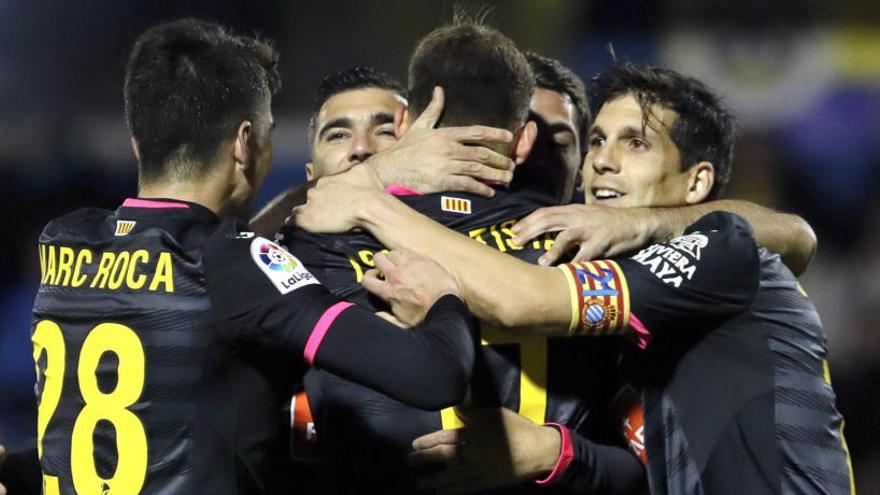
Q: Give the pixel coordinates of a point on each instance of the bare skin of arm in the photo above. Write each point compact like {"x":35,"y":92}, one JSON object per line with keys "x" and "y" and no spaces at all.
{"x":602,"y":232}
{"x":534,"y":296}
{"x":425,"y":159}
{"x":276,"y":212}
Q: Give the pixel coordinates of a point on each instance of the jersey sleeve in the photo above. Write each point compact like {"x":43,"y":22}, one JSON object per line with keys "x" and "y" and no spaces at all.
{"x":263,"y":295}
{"x":690,"y":283}
{"x":598,"y":468}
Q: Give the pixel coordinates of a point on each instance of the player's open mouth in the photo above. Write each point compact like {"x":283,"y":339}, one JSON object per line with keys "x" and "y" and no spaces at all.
{"x":601,"y":193}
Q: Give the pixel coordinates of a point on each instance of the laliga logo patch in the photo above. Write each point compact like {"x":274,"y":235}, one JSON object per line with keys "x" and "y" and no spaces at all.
{"x":276,"y":259}
{"x":282,"y":268}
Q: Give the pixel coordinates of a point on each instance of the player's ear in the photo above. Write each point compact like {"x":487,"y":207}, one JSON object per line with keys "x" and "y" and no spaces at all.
{"x":701,"y":178}
{"x":136,"y":149}
{"x":240,"y":148}
{"x":401,"y":121}
{"x":524,"y":140}
{"x":310,"y":171}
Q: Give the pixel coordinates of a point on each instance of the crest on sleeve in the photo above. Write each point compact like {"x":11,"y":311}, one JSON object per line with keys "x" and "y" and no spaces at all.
{"x":455,"y":205}
{"x":283,"y":269}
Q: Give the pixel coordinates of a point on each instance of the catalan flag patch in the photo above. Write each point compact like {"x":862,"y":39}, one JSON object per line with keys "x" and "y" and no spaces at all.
{"x":455,"y":205}
{"x":123,"y":227}
{"x":599,"y":297}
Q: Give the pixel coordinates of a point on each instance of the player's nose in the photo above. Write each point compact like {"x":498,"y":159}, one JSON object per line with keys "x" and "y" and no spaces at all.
{"x":605,"y":160}
{"x":362,"y":149}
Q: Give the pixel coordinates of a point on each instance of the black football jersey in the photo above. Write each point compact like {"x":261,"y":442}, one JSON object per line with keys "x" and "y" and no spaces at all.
{"x":366,"y":435}
{"x":166,"y":341}
{"x":733,"y":372}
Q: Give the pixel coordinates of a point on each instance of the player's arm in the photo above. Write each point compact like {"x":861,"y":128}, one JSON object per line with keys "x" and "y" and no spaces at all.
{"x":498,"y":288}
{"x":425,"y":159}
{"x":263,"y":295}
{"x":272,"y":217}
{"x":604,"y":232}
{"x":20,"y":471}
{"x":497,"y":447}
{"x":512,"y":293}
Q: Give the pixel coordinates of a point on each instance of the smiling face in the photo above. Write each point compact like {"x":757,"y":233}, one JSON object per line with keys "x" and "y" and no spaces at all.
{"x":626,"y":167}
{"x":350,"y":127}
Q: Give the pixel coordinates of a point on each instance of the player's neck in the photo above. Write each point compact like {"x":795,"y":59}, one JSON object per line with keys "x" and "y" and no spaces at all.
{"x":203,"y":192}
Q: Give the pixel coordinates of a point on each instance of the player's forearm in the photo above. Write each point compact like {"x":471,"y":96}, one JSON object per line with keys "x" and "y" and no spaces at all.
{"x":789,"y":235}
{"x":430,"y":366}
{"x":497,"y":288}
{"x":271,"y":218}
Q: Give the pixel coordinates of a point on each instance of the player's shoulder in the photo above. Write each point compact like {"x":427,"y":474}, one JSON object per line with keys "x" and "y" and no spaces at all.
{"x":84,"y":222}
{"x":716,"y":251}
{"x":723,"y":223}
{"x":240,"y":263}
{"x":459,"y":209}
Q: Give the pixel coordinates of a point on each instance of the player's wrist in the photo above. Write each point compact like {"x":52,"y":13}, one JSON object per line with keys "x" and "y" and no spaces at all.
{"x":654,"y":225}
{"x":377,"y":210}
{"x":364,"y":175}
{"x":559,"y":454}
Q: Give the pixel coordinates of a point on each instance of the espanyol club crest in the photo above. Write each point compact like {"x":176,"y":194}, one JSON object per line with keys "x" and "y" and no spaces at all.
{"x":596,"y":313}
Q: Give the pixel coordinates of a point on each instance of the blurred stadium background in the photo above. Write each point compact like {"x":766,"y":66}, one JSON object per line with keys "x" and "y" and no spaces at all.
{"x":802,"y":76}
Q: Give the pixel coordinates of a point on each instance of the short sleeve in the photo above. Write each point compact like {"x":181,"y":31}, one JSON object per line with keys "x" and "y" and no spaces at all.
{"x":260,"y":292}
{"x":691,"y":282}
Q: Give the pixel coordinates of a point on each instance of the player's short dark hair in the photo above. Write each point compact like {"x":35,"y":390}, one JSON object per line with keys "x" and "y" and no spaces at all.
{"x":359,"y":77}
{"x":704,"y":129}
{"x":188,"y":86}
{"x":553,"y":75}
{"x":486,"y":79}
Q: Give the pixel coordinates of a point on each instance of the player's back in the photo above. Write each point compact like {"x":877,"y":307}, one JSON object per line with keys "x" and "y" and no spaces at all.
{"x":762,"y":376}
{"x":137,"y":392}
{"x":366,"y":434}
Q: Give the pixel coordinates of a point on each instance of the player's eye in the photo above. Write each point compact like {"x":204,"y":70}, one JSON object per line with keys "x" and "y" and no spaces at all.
{"x":638,"y":144}
{"x":386,"y":132}
{"x":334,"y":136}
{"x":596,"y":142}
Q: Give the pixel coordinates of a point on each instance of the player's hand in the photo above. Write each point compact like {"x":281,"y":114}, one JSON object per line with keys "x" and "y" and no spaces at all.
{"x":2,"y":459}
{"x":496,"y":447}
{"x":445,"y":159}
{"x":410,"y":282}
{"x":596,"y":231}
{"x":332,"y":206}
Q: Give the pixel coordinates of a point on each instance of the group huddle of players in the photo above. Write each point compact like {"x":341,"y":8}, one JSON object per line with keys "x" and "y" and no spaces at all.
{"x":395,"y":325}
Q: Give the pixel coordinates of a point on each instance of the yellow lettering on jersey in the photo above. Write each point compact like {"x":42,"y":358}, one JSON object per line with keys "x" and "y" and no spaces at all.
{"x":65,"y":265}
{"x":532,"y":377}
{"x":42,"y":262}
{"x":533,"y":369}
{"x":499,"y":241}
{"x":100,"y":280}
{"x":164,"y":274}
{"x":50,"y":265}
{"x":801,"y":289}
{"x":69,"y":267}
{"x":83,"y":257}
{"x":358,"y":271}
{"x":477,"y":235}
{"x":117,"y":273}
{"x":509,"y":235}
{"x":139,"y":256}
